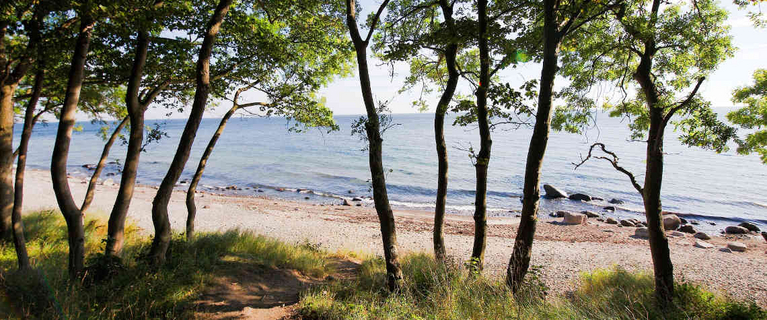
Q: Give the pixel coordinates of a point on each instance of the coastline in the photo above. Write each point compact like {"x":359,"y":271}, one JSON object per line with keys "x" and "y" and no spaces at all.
{"x":562,"y":251}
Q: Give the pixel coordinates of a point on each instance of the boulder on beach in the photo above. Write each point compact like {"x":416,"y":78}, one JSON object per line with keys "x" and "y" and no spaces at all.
{"x":737,"y":246}
{"x":590,"y":214}
{"x":735,"y":230}
{"x":703,"y":244}
{"x":671,"y":222}
{"x":687,"y":229}
{"x":553,"y":193}
{"x":702,"y":236}
{"x":580,"y":197}
{"x":356,"y":199}
{"x":615,"y":201}
{"x":575,"y":218}
{"x":750,"y":226}
{"x":611,"y":221}
{"x":609,"y":208}
{"x":347,"y":203}
{"x":559,"y":214}
{"x":642,"y":232}
{"x":627,"y":223}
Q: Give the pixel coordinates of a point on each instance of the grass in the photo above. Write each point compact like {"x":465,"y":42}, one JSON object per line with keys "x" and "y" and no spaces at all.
{"x":136,"y":291}
{"x":431,"y":290}
{"x":435,"y":291}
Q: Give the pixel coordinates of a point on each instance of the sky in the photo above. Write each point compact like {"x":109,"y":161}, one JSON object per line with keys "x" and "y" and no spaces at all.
{"x":343,"y":96}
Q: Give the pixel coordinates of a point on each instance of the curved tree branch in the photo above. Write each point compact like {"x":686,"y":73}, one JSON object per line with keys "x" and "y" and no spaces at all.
{"x":613,"y":161}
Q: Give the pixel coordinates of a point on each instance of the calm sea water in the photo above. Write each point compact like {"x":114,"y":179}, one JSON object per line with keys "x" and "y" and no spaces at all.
{"x":261,"y":153}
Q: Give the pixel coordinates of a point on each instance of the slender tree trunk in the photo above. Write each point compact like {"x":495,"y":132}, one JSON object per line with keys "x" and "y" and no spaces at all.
{"x":6,"y":160}
{"x":161,"y":200}
{"x":69,"y":209}
{"x":451,"y":52}
{"x":91,"y":191}
{"x":375,"y":150}
{"x":483,"y":157}
{"x":523,"y":244}
{"x":136,"y":109}
{"x":191,"y":208}
{"x":18,"y":225}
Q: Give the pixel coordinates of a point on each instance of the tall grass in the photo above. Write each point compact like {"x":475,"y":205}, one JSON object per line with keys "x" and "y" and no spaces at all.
{"x":435,"y":291}
{"x":134,"y":290}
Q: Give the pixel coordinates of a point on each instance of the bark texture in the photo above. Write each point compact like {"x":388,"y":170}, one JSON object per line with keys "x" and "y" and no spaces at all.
{"x":19,"y":241}
{"x":451,"y":51}
{"x":523,"y":243}
{"x":160,"y":203}
{"x":69,"y":209}
{"x":375,"y":148}
{"x":483,"y":157}
{"x":91,"y":191}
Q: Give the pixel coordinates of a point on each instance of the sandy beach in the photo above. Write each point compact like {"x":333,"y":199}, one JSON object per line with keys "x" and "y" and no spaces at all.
{"x":563,"y":251}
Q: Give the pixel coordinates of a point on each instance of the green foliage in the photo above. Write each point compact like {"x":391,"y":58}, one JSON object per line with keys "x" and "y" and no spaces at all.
{"x":756,"y":15}
{"x":128,"y":289}
{"x":753,"y":116}
{"x":446,"y":291}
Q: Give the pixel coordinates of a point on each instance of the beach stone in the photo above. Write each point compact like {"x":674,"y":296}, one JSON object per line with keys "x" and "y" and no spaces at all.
{"x":671,"y":222}
{"x":750,"y":226}
{"x":684,"y":221}
{"x":615,"y":201}
{"x":601,"y":219}
{"x":232,"y":187}
{"x":694,"y":222}
{"x":677,"y":234}
{"x":580,"y":197}
{"x":712,"y":223}
{"x":553,"y":193}
{"x":560,"y":214}
{"x":727,"y":250}
{"x":735,"y":230}
{"x":611,"y":221}
{"x":351,"y":191}
{"x":597,"y":199}
{"x":89,"y":166}
{"x":642,"y":232}
{"x":737,"y":246}
{"x":306,"y":198}
{"x":590,"y":214}
{"x":609,"y":208}
{"x":703,"y":244}
{"x":259,"y":190}
{"x":627,"y":223}
{"x":608,"y":230}
{"x":183,"y":182}
{"x":111,"y":174}
{"x":687,"y":229}
{"x":356,"y":199}
{"x":205,"y":207}
{"x":702,"y":236}
{"x":347,"y":203}
{"x":107,"y":182}
{"x":359,"y":204}
{"x":575,"y":218}
{"x":764,"y":235}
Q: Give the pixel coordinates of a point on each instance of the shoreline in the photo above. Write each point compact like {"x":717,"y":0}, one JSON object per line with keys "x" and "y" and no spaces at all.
{"x":563,"y":251}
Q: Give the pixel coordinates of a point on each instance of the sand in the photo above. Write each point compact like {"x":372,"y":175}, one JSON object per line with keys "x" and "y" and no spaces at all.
{"x":562,"y":251}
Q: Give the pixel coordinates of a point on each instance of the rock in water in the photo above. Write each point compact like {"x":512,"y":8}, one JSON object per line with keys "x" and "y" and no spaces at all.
{"x":702,"y":236}
{"x":580,"y":197}
{"x":737,"y":246}
{"x":347,"y":203}
{"x":611,"y":221}
{"x":575,"y":218}
{"x":671,"y":222}
{"x":560,"y":214}
{"x":642,"y":232}
{"x":735,"y":230}
{"x":590,"y":214}
{"x":703,"y":244}
{"x":750,"y":226}
{"x":616,"y":201}
{"x":627,"y":223}
{"x":553,"y":193}
{"x":687,"y":229}
{"x":609,"y":208}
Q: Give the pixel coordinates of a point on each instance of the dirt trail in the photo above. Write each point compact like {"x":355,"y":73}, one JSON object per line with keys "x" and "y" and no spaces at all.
{"x":243,"y":290}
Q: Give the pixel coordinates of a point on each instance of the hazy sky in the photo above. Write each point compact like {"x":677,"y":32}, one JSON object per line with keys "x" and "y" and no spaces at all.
{"x":344,"y":97}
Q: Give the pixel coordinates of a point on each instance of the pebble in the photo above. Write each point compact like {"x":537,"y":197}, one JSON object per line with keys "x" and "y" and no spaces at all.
{"x":611,"y":221}
{"x":702,"y":236}
{"x":642,"y":232}
{"x":590,"y":214}
{"x":703,"y":244}
{"x":735,"y":230}
{"x":737,"y":246}
{"x":687,"y":229}
{"x":627,"y":223}
{"x":750,"y":226}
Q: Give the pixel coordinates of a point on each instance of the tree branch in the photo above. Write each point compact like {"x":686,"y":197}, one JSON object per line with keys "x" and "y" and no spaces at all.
{"x":684,"y":103}
{"x":613,"y":161}
{"x":375,"y":21}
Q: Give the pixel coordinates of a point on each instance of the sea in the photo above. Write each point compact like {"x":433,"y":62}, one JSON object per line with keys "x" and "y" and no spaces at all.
{"x":258,"y":156}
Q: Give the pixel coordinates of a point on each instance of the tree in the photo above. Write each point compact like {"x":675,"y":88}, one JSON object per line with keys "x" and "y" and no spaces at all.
{"x":753,"y":116}
{"x":162,"y":236}
{"x":560,"y":20}
{"x":372,"y":126}
{"x":666,"y":49}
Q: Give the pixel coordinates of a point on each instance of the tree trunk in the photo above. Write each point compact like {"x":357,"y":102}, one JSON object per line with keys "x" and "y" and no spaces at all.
{"x":136,"y":109}
{"x":89,"y":193}
{"x":523,"y":244}
{"x":375,"y":150}
{"x":439,"y":136}
{"x":18,"y":224}
{"x":69,"y":209}
{"x":161,"y":200}
{"x":483,"y":157}
{"x":190,"y":206}
{"x":6,"y":160}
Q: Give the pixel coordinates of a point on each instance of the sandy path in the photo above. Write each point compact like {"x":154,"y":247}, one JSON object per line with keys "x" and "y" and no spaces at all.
{"x":563,"y":251}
